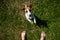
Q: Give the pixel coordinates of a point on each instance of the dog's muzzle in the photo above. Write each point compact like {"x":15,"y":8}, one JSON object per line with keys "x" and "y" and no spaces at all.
{"x":31,"y":18}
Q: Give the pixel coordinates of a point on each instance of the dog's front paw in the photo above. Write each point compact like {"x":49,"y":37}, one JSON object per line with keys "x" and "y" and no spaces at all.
{"x":35,"y":22}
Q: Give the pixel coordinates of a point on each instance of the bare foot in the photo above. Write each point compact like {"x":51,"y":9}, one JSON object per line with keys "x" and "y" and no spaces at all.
{"x":23,"y":35}
{"x":43,"y":35}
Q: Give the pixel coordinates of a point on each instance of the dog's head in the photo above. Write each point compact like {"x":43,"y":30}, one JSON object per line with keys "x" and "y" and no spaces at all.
{"x":27,"y":8}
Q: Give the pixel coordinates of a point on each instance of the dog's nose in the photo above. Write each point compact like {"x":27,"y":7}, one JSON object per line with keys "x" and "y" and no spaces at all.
{"x":30,"y":15}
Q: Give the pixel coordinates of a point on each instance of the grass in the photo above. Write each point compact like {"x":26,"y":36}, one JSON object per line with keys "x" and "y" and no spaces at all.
{"x":13,"y":22}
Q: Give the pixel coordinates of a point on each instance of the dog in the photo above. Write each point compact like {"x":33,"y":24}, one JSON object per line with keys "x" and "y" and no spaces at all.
{"x":29,"y":15}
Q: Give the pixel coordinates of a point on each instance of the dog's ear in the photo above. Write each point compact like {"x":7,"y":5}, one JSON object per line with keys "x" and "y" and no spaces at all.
{"x":30,"y":6}
{"x":23,"y":9}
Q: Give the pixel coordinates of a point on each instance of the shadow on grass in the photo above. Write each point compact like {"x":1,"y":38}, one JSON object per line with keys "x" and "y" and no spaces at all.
{"x":41,"y":23}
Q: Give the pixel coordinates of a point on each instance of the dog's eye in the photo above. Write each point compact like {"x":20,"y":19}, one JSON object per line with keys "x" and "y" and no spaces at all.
{"x":26,"y":11}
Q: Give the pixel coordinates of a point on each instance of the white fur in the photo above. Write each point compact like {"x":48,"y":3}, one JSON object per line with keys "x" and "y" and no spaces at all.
{"x":28,"y":17}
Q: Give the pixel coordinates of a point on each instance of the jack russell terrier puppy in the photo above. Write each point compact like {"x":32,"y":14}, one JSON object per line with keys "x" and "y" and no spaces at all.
{"x":28,"y":14}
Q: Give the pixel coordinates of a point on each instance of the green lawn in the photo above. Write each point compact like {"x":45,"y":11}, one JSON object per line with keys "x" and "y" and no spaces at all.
{"x":13,"y":22}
